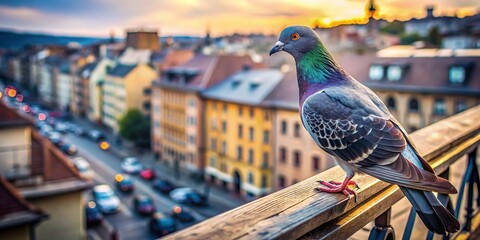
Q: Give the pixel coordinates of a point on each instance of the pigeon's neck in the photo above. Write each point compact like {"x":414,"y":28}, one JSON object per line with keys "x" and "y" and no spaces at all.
{"x":315,"y":70}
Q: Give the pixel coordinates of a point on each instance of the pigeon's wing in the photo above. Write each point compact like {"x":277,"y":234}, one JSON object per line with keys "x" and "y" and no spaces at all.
{"x":363,"y":137}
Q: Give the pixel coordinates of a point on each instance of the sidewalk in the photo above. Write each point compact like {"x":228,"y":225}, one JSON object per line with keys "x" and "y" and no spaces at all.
{"x":216,"y":194}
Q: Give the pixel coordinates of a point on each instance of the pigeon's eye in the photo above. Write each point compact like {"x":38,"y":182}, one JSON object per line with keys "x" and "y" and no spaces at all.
{"x":295,"y":37}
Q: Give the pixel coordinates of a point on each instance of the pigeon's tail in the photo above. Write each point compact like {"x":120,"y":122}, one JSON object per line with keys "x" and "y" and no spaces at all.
{"x":433,"y":214}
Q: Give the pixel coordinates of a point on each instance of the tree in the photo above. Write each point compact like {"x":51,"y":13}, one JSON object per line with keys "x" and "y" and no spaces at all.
{"x":134,"y":126}
{"x":394,"y":28}
{"x":434,"y":36}
{"x":407,"y":39}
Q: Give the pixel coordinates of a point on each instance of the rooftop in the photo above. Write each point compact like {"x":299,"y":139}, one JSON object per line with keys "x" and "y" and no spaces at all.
{"x":121,"y":70}
{"x":246,"y":87}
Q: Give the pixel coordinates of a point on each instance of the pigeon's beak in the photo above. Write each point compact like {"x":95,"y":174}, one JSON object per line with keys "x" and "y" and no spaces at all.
{"x":277,"y":48}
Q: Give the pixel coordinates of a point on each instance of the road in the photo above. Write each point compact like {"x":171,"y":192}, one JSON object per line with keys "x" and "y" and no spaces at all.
{"x":129,"y":224}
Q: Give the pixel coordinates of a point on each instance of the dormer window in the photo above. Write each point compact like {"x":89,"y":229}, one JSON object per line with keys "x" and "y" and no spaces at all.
{"x":254,"y":86}
{"x":394,"y":73}
{"x":456,"y":75}
{"x":376,"y":72}
{"x":235,"y":84}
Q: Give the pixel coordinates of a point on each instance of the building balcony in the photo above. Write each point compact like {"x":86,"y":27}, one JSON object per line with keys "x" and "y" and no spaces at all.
{"x":298,"y":212}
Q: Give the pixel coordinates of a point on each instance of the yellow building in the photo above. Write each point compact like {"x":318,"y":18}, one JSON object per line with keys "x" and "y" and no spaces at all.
{"x":126,"y":87}
{"x":239,"y":131}
{"x":178,"y":109}
{"x":38,"y":172}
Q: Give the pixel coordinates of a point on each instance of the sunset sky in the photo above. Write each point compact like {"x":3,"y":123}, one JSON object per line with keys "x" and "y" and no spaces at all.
{"x":173,"y":17}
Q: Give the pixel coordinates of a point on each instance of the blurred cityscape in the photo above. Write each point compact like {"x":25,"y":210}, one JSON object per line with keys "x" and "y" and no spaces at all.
{"x":141,"y":135}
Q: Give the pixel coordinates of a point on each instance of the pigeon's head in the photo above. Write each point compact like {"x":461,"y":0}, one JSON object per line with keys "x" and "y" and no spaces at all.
{"x":296,"y":40}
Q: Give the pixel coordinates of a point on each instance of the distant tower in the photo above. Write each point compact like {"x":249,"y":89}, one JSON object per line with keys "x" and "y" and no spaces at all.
{"x":112,"y":37}
{"x":208,"y":39}
{"x":430,"y":10}
{"x":371,"y":9}
{"x":143,"y":39}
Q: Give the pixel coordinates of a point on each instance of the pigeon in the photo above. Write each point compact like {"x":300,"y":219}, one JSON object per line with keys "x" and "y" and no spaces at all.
{"x":349,"y":121}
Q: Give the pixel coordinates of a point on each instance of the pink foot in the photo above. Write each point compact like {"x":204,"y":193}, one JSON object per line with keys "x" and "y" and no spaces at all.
{"x":337,"y":187}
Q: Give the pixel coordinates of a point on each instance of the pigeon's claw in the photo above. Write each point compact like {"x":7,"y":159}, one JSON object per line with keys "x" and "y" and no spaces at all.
{"x":339,"y":187}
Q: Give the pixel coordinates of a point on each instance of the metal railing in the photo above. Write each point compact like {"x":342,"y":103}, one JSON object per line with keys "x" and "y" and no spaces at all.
{"x":299,"y":212}
{"x":15,"y":161}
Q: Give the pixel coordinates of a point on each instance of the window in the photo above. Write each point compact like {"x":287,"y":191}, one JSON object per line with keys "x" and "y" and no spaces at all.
{"x":439,"y":107}
{"x":147,"y":91}
{"x":250,"y":177}
{"x":240,"y":110}
{"x":456,"y":75}
{"x":265,"y":160}
{"x":460,"y":106}
{"x":316,"y":163}
{"x":267,"y":115}
{"x":191,"y":139}
{"x":214,"y":105}
{"x":283,"y":155}
{"x":252,"y":112}
{"x":296,"y":159}
{"x":413,"y":128}
{"x":284,"y":127}
{"x":297,"y":130}
{"x":239,"y":153}
{"x":146,"y":106}
{"x":394,"y":73}
{"x":250,"y":156}
{"x":213,"y":144}
{"x":157,"y":109}
{"x":225,"y":107}
{"x":224,"y":148}
{"x":266,"y":137}
{"x":413,"y":105}
{"x":224,"y":126}
{"x":213,"y":162}
{"x":263,"y":184}
{"x":391,"y":103}
{"x":375,"y":72}
{"x":281,"y":181}
{"x":251,"y":133}
{"x":157,"y":124}
{"x":213,"y":124}
{"x":240,"y":131}
{"x":192,"y":103}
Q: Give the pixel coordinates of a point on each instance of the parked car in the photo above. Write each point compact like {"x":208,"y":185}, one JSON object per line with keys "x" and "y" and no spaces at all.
{"x":55,"y":138}
{"x":96,"y":135}
{"x":182,"y":214}
{"x":83,"y":167}
{"x":148,"y":174}
{"x":93,"y":214}
{"x":124,"y":183}
{"x":131,"y":165}
{"x":144,"y":204}
{"x":162,"y":185}
{"x":79,"y":131}
{"x":106,"y":199}
{"x":61,"y":127}
{"x":68,"y":148}
{"x":188,"y":195}
{"x":162,"y":224}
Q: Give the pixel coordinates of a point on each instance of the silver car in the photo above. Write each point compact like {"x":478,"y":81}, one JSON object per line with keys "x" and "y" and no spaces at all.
{"x":131,"y":165}
{"x":105,"y":197}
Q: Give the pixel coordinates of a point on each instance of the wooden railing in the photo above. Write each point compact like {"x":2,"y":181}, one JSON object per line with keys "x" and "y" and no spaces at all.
{"x":299,"y":212}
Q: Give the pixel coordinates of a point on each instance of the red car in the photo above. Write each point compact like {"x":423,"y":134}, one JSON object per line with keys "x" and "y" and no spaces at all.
{"x":147,"y":174}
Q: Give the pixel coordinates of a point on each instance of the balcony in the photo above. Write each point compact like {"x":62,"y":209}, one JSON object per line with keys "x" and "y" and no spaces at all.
{"x":299,"y":212}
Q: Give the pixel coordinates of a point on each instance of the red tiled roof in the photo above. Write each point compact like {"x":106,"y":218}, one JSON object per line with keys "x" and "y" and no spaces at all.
{"x":8,"y":117}
{"x":210,"y":69}
{"x":14,"y":209}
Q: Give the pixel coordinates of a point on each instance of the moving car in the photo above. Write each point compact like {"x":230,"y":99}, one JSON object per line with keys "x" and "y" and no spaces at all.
{"x":188,"y":195}
{"x":124,"y":183}
{"x":106,"y":199}
{"x":147,"y":174}
{"x":93,"y":214}
{"x":68,"y":148}
{"x":83,"y":167}
{"x":182,"y":214}
{"x":131,"y":165}
{"x":162,"y":224}
{"x":162,"y":185}
{"x":96,"y":135}
{"x":144,"y":204}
